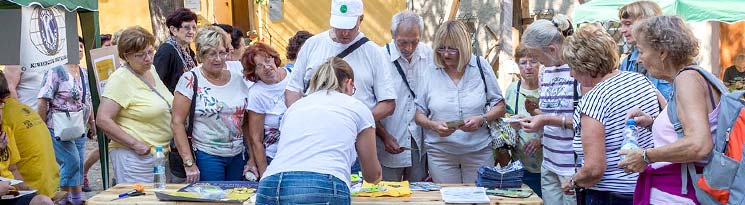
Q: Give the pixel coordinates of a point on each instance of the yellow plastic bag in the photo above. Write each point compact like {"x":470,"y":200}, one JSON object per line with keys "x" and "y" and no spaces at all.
{"x":387,"y":189}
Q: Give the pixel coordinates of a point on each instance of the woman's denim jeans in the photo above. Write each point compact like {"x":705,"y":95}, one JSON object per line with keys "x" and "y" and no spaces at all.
{"x":594,"y":197}
{"x":217,"y":168}
{"x":302,"y":188}
{"x":70,"y":156}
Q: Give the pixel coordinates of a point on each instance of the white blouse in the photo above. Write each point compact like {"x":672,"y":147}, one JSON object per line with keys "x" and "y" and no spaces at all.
{"x":443,"y":101}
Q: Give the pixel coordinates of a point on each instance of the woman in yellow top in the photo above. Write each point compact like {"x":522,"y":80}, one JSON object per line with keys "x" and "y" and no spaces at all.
{"x":37,"y":164}
{"x":135,"y":109}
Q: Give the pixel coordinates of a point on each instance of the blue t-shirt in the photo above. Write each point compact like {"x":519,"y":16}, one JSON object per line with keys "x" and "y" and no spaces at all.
{"x":630,"y":64}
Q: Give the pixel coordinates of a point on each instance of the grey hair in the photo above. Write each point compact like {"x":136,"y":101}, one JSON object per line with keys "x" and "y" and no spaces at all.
{"x":406,"y":17}
{"x":542,"y":33}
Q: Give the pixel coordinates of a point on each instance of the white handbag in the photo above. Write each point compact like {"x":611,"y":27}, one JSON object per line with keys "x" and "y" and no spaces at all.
{"x":70,"y":125}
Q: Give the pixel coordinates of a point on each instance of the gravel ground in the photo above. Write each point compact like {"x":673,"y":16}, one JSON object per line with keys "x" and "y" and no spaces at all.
{"x":94,"y":175}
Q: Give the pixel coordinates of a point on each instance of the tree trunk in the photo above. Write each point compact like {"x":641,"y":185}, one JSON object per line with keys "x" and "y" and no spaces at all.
{"x":159,"y":11}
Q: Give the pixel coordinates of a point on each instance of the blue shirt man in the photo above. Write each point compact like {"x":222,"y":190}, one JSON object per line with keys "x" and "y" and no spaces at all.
{"x":630,"y":64}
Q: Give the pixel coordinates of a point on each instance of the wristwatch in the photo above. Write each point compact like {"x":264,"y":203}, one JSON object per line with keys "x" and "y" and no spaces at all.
{"x":188,"y":163}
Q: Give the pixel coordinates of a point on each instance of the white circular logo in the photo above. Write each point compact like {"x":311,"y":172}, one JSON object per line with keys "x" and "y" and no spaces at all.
{"x":45,"y":30}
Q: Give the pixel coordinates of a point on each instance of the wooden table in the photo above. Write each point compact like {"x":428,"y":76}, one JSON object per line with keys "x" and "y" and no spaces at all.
{"x":417,"y":198}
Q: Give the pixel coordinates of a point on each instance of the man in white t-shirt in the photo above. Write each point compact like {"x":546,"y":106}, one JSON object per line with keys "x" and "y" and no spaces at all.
{"x":372,"y":76}
{"x":400,"y":140}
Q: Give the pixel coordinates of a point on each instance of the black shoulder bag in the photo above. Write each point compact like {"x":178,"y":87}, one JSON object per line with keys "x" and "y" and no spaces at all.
{"x":579,"y":192}
{"x":175,"y":163}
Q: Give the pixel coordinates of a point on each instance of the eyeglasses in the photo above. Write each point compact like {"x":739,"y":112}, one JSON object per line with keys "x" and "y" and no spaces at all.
{"x":217,"y":55}
{"x":354,"y":90}
{"x":527,"y":63}
{"x":143,"y":55}
{"x":446,"y":50}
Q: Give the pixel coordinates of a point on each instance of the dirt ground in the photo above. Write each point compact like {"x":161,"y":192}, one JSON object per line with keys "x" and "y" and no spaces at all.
{"x":94,"y":175}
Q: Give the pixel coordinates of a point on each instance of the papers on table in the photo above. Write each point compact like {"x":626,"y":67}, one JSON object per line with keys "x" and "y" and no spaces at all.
{"x":424,"y":186}
{"x":511,"y":119}
{"x":464,"y":195}
{"x":20,"y":194}
{"x":12,"y":181}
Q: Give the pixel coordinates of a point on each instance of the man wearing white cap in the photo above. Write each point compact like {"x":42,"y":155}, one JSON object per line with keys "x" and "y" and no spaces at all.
{"x":372,"y":78}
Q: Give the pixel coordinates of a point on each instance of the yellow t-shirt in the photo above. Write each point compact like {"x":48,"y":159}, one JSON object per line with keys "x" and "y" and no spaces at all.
{"x":144,"y":115}
{"x":31,"y":136}
{"x":9,"y":155}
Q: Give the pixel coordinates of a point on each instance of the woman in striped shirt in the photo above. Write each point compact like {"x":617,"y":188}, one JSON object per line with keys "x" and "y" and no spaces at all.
{"x":600,"y":118}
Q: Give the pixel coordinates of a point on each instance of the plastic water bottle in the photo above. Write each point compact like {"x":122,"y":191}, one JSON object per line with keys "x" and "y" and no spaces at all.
{"x":630,"y":134}
{"x":159,"y":170}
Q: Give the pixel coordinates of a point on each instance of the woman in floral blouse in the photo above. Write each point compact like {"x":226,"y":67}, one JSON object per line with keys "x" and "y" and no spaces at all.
{"x":220,"y":106}
{"x":65,"y":89}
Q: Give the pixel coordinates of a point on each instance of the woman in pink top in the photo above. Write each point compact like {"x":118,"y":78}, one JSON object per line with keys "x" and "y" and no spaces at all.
{"x":668,"y":48}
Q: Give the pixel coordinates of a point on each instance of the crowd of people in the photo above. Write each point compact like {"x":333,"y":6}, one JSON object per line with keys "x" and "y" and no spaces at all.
{"x":404,"y":111}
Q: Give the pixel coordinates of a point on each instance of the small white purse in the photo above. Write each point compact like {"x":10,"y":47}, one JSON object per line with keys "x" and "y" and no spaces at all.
{"x":68,"y":125}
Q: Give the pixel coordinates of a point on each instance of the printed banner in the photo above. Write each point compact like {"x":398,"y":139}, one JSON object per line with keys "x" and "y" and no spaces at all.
{"x":43,"y":39}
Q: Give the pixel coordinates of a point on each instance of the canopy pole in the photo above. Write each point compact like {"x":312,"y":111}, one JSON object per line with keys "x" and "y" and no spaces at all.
{"x":91,"y":32}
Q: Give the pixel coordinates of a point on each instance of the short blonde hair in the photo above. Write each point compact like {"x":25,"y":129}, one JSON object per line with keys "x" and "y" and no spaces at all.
{"x":211,"y":38}
{"x":134,"y":39}
{"x":331,"y":75}
{"x":453,"y":34}
{"x":591,"y":51}
{"x":668,"y":34}
{"x":639,"y":10}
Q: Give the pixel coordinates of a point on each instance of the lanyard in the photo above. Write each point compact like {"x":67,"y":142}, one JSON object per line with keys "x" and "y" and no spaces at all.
{"x":150,"y":86}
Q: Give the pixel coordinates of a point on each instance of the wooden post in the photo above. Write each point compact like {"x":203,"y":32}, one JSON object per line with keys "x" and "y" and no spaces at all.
{"x":159,"y":11}
{"x":453,"y":10}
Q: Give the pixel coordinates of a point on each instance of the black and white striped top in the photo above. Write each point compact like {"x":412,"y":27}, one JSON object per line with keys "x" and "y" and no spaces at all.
{"x":609,"y":102}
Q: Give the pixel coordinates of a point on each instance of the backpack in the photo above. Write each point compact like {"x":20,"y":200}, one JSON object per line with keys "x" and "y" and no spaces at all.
{"x":723,"y":178}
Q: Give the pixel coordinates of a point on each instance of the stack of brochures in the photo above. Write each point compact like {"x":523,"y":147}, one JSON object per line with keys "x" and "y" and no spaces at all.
{"x":509,"y":176}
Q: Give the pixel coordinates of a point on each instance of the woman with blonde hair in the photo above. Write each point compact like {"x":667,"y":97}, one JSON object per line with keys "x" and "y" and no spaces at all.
{"x":219,"y":109}
{"x":600,"y":117}
{"x":314,"y":160}
{"x":452,"y":107}
{"x":668,"y":48}
{"x":629,"y":15}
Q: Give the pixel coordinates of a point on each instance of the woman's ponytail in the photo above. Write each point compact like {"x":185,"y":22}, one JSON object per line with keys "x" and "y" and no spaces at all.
{"x":330,"y":75}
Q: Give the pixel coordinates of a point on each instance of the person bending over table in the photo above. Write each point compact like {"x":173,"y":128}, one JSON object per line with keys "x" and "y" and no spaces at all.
{"x":314,"y":160}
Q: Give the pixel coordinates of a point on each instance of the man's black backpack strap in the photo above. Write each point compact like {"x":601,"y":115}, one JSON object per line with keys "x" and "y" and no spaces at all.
{"x":345,"y":53}
{"x":353,"y":47}
{"x":401,"y":72}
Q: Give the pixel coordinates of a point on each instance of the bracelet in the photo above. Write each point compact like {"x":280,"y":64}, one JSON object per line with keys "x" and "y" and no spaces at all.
{"x":573,"y":183}
{"x":644,"y":157}
{"x":564,"y":122}
{"x":486,"y":121}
